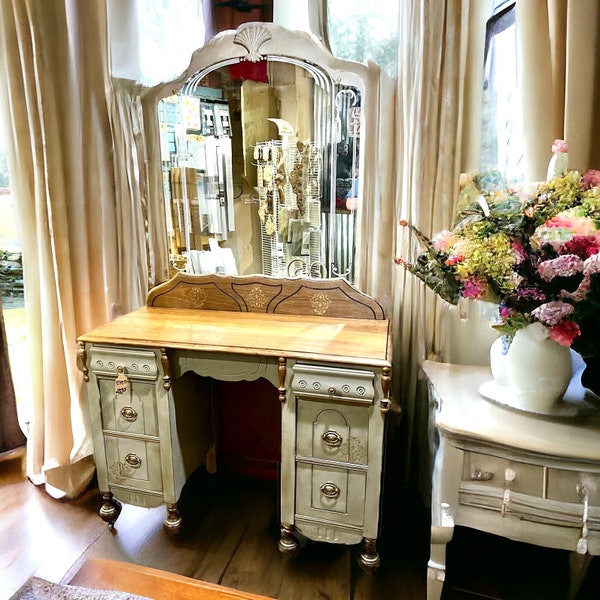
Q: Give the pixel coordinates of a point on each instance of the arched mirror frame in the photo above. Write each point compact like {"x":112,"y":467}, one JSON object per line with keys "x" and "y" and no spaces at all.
{"x":257,"y":41}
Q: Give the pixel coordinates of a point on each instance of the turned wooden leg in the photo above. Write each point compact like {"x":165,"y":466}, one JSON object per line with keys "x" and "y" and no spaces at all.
{"x":288,"y":544}
{"x":110,"y":509}
{"x":173,"y":523}
{"x":436,"y":567}
{"x":368,"y":559}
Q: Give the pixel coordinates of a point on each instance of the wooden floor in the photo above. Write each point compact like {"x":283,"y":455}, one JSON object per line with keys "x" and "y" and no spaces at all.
{"x":230,"y":538}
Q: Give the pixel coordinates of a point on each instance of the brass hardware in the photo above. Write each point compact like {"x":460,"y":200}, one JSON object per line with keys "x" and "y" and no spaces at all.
{"x":133,"y":460}
{"x":174,"y":521}
{"x":386,"y":400}
{"x":584,"y":498}
{"x":288,"y":544}
{"x":83,"y":357}
{"x":479,"y":475}
{"x":509,"y":476}
{"x":330,"y":490}
{"x":129,"y":413}
{"x":331,"y":391}
{"x":281,"y":372}
{"x":332,"y":438}
{"x":164,"y":360}
{"x":369,"y":560}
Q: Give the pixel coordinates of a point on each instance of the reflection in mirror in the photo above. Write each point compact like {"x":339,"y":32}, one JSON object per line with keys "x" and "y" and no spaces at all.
{"x":261,"y":169}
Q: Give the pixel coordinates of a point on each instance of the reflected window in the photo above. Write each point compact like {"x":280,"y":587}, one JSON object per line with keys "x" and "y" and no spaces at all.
{"x":364,"y":31}
{"x":501,"y":131}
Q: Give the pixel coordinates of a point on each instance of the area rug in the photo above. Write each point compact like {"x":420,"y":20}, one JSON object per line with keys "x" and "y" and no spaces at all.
{"x":40,"y":589}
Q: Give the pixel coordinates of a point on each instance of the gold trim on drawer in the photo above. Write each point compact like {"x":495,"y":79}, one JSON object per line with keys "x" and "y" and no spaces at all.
{"x":139,"y":364}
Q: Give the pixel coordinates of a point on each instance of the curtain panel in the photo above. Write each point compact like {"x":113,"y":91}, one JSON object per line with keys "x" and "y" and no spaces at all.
{"x":558,"y":54}
{"x":71,"y":157}
{"x":437,"y":87}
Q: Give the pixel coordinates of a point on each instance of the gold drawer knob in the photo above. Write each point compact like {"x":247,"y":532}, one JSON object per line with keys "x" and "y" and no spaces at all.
{"x":330,"y":490}
{"x":129,"y":413}
{"x":332,"y":438}
{"x":133,"y":460}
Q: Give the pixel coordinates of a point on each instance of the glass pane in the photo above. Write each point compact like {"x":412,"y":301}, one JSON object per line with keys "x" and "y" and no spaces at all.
{"x":363,"y":31}
{"x":502,"y":139}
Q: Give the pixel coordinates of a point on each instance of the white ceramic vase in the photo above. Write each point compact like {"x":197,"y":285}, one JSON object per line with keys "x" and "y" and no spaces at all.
{"x":535,"y":371}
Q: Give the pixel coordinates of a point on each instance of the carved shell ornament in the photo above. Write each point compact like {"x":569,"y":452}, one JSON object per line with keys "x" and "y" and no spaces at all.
{"x":252,"y":38}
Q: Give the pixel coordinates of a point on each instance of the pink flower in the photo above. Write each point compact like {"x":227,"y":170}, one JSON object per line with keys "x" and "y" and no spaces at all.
{"x":441,"y":241}
{"x":560,"y":146}
{"x":453,"y":259}
{"x":591,"y":264}
{"x":576,"y":225}
{"x":474,"y":289}
{"x":563,"y":266}
{"x":565,"y":332}
{"x":583,"y":246}
{"x":591,"y":178}
{"x":520,"y":253}
{"x":552,"y":313}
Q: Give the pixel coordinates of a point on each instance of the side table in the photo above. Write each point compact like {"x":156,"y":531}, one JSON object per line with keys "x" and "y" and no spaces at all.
{"x":526,"y":477}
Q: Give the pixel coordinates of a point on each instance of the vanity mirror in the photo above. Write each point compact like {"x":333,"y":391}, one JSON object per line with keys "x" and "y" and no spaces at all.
{"x":261,"y":157}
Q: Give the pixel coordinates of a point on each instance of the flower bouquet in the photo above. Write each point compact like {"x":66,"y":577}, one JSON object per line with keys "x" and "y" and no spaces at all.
{"x":537,"y":253}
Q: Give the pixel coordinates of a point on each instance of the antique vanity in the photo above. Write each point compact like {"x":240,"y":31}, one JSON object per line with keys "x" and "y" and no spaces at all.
{"x":255,"y":156}
{"x":323,"y":345}
{"x":524,"y":476}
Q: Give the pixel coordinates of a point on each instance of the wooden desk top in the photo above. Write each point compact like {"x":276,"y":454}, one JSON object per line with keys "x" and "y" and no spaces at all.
{"x":351,"y":341}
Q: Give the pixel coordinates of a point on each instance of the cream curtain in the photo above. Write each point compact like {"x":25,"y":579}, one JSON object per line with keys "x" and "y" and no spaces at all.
{"x":559,"y":50}
{"x":73,"y":173}
{"x":434,"y":112}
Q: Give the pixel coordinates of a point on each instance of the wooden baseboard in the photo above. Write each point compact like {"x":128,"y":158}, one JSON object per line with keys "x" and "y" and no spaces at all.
{"x":104,"y":574}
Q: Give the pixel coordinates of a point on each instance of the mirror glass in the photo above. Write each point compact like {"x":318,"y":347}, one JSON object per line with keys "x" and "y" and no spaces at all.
{"x":261,"y":169}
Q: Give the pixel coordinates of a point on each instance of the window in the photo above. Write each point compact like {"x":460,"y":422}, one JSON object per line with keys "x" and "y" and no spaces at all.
{"x":501,"y":139}
{"x":11,"y":287}
{"x":362,"y":31}
{"x":153,"y":41}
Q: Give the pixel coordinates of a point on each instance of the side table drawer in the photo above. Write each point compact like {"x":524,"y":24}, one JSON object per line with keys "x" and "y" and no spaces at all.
{"x":330,"y":432}
{"x":330,"y":493}
{"x":134,"y":462}
{"x":569,"y":486}
{"x":495,"y":472}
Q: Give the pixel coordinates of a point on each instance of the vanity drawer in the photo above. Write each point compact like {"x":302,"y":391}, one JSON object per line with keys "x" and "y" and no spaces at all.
{"x":135,"y":363}
{"x":569,"y":486}
{"x":133,"y":411}
{"x":500,"y":473}
{"x":134,"y":462}
{"x":330,"y":493}
{"x":332,"y":432}
{"x":350,"y":385}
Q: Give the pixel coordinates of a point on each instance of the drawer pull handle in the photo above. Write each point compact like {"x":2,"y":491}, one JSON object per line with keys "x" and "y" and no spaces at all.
{"x":479,"y":475}
{"x":331,"y":391}
{"x":128,"y":413}
{"x":133,"y":460}
{"x":332,"y":438}
{"x":330,"y":490}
